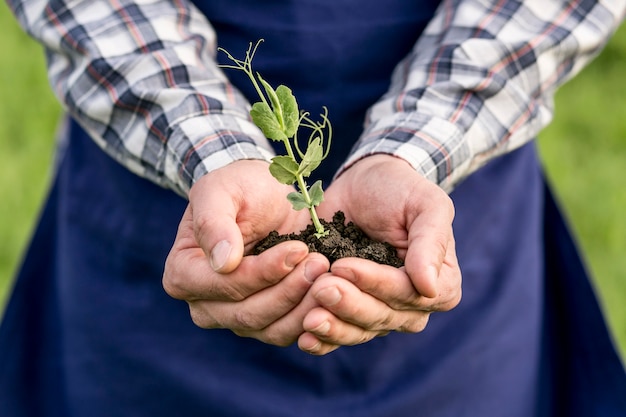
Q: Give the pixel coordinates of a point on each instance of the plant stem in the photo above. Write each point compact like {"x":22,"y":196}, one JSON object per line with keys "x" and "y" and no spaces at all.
{"x":305,"y":193}
{"x":316,"y":220}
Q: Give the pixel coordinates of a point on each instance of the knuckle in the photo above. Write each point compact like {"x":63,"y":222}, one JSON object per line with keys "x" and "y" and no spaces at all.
{"x":265,"y":336}
{"x":452,"y":302}
{"x":277,"y":339}
{"x":364,"y":338}
{"x":269,"y":278}
{"x":169,"y":287}
{"x":224,"y":291}
{"x":231,"y":293}
{"x":242,"y":333}
{"x":416,"y":324}
{"x":287,"y":299}
{"x":450,"y":297}
{"x":246,"y":320}
{"x":384,"y":322}
{"x":201,"y":318}
{"x":171,"y":283}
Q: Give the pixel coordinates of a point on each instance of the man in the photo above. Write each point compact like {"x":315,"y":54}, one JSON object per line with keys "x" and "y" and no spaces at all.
{"x":471,"y":87}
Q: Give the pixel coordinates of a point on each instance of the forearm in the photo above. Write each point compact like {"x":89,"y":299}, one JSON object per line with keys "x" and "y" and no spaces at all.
{"x":142,"y":80}
{"x":481,"y":80}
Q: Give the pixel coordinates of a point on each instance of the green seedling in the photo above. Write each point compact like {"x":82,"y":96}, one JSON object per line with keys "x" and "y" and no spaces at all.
{"x":279,"y":119}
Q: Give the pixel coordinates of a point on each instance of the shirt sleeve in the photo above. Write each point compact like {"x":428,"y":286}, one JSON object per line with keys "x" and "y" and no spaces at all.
{"x":141,"y":78}
{"x":480,"y":81}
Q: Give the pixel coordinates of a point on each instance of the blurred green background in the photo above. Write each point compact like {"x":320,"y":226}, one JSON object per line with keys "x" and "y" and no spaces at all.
{"x":584,"y":150}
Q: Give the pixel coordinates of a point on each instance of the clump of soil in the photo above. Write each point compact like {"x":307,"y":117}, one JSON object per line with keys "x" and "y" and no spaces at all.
{"x":342,"y":241}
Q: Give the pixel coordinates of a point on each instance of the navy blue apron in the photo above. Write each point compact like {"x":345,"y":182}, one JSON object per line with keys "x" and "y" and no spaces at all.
{"x":89,"y":330}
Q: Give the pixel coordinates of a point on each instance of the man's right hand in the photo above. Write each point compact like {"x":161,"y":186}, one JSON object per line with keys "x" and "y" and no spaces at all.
{"x":229,"y":210}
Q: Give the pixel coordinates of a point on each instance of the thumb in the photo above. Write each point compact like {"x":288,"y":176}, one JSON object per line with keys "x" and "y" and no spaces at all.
{"x":423,"y":262}
{"x":430,"y":240}
{"x":214,"y":216}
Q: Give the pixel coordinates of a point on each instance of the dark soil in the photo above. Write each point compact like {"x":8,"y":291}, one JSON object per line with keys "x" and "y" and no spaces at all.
{"x":343,"y":240}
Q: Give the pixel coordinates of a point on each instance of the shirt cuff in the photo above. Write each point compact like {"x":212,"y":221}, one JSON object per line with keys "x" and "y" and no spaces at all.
{"x":432,"y":146}
{"x":192,"y":153}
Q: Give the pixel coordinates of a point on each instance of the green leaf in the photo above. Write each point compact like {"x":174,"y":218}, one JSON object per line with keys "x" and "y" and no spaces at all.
{"x":265,"y":120}
{"x":290,"y":112}
{"x":316,"y":193}
{"x":297,"y":200}
{"x":284,"y":169}
{"x":312,"y":158}
{"x":276,"y":104}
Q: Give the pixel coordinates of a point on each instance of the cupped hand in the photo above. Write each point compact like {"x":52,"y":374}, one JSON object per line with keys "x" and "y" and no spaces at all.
{"x":359,"y":299}
{"x":229,"y":210}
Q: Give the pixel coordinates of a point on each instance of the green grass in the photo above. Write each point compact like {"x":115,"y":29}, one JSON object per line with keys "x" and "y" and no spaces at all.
{"x":584,"y":151}
{"x":28,"y":119}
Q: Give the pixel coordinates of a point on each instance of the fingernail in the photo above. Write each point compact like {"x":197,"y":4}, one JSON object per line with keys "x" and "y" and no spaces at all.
{"x":322,"y":329}
{"x":219,"y":254}
{"x":328,"y":296}
{"x":313,"y":269}
{"x":312,"y":348}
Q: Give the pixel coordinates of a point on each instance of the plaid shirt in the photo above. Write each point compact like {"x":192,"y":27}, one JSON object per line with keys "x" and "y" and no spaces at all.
{"x":141,"y":78}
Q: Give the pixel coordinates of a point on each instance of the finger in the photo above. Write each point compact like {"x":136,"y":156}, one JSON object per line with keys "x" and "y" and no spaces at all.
{"x":390,"y":285}
{"x":255,"y":316}
{"x":347,"y":316}
{"x":333,"y":331}
{"x":291,"y":323}
{"x":328,"y":333}
{"x":214,"y":214}
{"x":324,"y":332}
{"x":309,"y":343}
{"x":188,"y":275}
{"x":395,"y":288}
{"x":352,"y":314}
